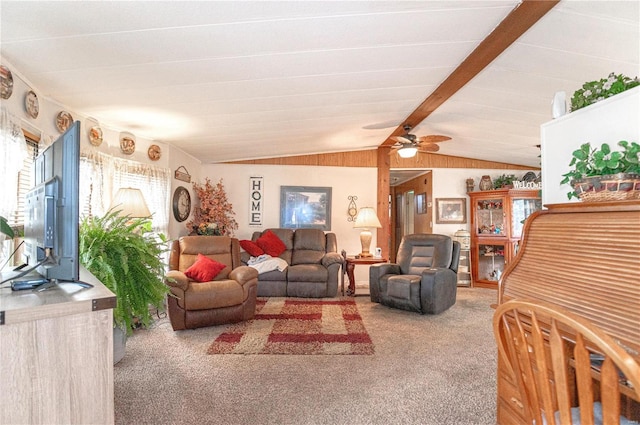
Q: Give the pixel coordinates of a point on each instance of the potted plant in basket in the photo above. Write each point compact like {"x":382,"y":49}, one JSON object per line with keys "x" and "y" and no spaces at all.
{"x":601,"y":174}
{"x":126,"y":256}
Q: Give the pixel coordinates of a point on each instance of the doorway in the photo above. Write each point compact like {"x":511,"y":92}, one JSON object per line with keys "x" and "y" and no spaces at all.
{"x":411,"y":207}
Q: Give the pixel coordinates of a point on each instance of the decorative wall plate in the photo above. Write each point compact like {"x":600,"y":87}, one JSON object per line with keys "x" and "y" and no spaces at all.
{"x":154,"y":152}
{"x":6,"y":82}
{"x":63,"y":121}
{"x":31,"y":104}
{"x":127,"y":143}
{"x":95,"y":135}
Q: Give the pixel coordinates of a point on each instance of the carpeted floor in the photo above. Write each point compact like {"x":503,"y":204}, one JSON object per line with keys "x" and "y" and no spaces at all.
{"x":425,"y":370}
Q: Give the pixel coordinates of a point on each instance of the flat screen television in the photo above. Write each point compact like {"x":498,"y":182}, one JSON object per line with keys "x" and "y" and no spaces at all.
{"x":52,"y":210}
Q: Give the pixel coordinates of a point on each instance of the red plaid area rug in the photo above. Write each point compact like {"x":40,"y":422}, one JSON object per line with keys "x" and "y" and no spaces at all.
{"x":298,"y":326}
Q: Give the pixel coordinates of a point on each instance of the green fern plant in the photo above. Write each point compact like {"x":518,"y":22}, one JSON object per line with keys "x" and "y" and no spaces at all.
{"x":126,"y":256}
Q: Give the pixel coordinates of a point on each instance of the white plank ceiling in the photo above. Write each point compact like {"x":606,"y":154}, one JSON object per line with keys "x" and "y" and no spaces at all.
{"x":237,"y":80}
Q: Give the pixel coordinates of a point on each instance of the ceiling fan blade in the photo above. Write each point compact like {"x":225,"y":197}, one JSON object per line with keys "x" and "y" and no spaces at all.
{"x":401,"y":139}
{"x":433,"y":138}
{"x":431,"y":147}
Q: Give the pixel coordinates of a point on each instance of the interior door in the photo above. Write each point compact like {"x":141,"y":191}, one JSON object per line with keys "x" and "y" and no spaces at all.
{"x":405,"y":218}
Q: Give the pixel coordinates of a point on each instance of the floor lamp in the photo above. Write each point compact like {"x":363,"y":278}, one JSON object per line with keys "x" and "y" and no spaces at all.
{"x":366,"y":219}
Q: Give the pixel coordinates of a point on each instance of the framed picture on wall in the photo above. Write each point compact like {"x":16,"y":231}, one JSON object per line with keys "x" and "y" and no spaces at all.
{"x":305,"y":207}
{"x":451,"y":210}
{"x":421,"y":203}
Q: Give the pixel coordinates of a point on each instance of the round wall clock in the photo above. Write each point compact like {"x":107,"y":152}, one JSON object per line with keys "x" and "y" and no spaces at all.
{"x":31,"y":104}
{"x":181,"y":203}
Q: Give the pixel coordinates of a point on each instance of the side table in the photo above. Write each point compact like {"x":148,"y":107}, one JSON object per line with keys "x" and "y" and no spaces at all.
{"x":350,"y":264}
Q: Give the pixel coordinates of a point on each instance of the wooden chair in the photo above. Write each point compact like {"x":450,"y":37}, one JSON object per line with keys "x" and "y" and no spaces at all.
{"x":567,"y":370}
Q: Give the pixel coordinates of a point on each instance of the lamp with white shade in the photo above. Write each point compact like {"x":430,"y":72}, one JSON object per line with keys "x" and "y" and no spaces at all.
{"x":130,"y":202}
{"x":366,"y":219}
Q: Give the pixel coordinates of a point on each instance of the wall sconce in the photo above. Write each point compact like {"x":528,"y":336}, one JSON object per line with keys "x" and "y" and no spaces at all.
{"x":130,"y":202}
{"x":352,"y":209}
{"x":366,"y":220}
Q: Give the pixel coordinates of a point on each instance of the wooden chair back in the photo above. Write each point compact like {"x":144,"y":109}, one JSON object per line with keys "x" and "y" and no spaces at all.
{"x":563,"y":364}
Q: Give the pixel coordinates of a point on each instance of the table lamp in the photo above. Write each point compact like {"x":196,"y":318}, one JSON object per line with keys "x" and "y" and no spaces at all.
{"x":366,"y":220}
{"x":130,"y":201}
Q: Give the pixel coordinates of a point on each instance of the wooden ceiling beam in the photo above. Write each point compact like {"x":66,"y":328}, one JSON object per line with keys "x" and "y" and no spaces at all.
{"x":519,"y":20}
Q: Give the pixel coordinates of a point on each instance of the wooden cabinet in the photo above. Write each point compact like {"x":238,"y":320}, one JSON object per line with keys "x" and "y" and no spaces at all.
{"x":56,"y":356}
{"x":497,"y":218}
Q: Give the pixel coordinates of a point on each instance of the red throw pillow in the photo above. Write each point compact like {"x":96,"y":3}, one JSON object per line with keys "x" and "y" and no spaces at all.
{"x":271,"y":244}
{"x":251,"y":247}
{"x":204,"y":269}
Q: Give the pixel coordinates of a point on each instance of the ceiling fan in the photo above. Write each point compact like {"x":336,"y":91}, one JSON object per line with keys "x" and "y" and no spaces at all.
{"x":408,"y":144}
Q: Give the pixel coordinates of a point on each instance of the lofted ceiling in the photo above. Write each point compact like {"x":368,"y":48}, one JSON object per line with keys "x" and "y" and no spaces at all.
{"x":237,"y":80}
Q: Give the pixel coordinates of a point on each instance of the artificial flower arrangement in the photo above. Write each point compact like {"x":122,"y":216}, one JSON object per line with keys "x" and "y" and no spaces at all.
{"x":215,"y":214}
{"x":595,"y":91}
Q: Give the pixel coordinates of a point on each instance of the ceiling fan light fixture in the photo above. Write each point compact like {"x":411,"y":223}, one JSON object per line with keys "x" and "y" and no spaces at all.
{"x":407,"y":152}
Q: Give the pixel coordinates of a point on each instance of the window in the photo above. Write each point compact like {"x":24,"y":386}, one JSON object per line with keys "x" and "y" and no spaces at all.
{"x":102,"y":175}
{"x":25,"y":182}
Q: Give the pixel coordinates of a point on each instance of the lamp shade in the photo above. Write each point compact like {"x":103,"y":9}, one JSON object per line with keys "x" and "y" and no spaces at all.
{"x":130,"y":202}
{"x":408,"y":152}
{"x":366,"y":219}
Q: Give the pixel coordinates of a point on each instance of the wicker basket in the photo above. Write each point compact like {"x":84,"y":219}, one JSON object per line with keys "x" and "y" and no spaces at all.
{"x":616,"y":187}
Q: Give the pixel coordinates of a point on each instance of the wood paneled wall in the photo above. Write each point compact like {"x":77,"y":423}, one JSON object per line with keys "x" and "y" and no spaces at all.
{"x":369,"y":158}
{"x":383,"y":161}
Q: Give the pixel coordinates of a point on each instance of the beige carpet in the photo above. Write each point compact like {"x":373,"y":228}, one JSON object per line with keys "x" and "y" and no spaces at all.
{"x":430,"y":370}
{"x":297,"y":326}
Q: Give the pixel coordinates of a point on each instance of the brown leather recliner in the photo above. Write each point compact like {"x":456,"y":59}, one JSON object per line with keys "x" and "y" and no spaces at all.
{"x":229,"y":298}
{"x":424,"y":279}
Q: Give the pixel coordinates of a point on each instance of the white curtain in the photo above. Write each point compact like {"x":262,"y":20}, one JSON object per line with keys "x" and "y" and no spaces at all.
{"x":13,"y":151}
{"x":102,"y":175}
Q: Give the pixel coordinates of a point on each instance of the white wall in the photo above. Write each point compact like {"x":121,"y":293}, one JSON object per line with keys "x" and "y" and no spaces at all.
{"x":45,"y":124}
{"x":344,"y":181}
{"x":610,"y":120}
{"x":178,"y":158}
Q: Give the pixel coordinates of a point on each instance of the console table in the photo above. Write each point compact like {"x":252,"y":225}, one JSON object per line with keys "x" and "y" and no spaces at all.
{"x":350,"y":264}
{"x":56,"y":356}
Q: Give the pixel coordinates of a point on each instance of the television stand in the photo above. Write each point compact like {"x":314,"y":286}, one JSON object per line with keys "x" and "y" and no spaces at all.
{"x":51,"y":283}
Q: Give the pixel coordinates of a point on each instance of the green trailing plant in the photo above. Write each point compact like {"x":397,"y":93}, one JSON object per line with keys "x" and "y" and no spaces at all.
{"x":588,"y":161}
{"x":595,"y":91}
{"x":126,"y":256}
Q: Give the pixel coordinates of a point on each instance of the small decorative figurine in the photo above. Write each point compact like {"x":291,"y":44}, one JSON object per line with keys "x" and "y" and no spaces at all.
{"x":470,"y":185}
